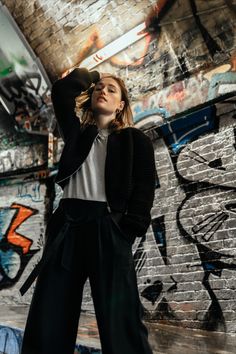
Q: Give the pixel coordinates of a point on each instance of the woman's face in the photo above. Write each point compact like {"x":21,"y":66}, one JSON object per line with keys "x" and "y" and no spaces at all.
{"x":106,"y":97}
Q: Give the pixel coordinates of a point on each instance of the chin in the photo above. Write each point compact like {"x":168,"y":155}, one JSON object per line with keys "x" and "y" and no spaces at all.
{"x":102,"y":110}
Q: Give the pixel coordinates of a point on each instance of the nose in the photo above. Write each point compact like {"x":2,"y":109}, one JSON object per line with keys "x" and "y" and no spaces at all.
{"x":104,"y":90}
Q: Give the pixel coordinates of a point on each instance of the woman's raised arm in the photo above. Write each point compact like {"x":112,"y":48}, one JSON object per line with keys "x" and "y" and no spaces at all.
{"x":64,"y":92}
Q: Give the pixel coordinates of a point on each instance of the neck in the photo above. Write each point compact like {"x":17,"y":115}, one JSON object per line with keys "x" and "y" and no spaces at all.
{"x":103,"y":121}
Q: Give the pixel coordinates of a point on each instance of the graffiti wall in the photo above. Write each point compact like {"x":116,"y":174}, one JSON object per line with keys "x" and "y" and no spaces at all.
{"x":22,"y":222}
{"x":178,"y":97}
{"x":20,"y":151}
{"x":24,"y":85}
{"x":11,"y":342}
{"x":26,"y":113}
{"x":184,"y":57}
{"x":187,"y":265}
{"x":180,"y":40}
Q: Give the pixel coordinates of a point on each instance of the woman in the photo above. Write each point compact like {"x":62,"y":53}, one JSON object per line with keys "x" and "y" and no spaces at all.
{"x":107,"y":171}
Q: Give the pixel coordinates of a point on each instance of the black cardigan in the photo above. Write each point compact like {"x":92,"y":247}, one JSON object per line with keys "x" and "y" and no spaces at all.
{"x":129,"y":166}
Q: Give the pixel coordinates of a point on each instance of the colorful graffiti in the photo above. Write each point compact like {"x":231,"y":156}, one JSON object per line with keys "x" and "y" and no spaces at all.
{"x":171,"y":54}
{"x":172,"y":62}
{"x":26,"y":113}
{"x":21,"y":97}
{"x":20,"y":160}
{"x":193,"y":222}
{"x":24,"y":85}
{"x":32,"y":192}
{"x":20,"y":151}
{"x":105,"y":52}
{"x":178,"y":132}
{"x":154,"y":109}
{"x":81,"y":349}
{"x":11,"y":342}
{"x":109,"y":51}
{"x":15,"y":248}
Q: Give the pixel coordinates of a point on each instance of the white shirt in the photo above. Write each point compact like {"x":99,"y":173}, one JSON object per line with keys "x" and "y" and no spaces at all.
{"x":89,"y":181}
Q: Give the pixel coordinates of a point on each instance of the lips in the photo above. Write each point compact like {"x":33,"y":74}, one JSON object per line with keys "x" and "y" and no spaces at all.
{"x":101,"y":98}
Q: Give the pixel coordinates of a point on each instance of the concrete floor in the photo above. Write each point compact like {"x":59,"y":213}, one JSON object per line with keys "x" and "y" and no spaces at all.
{"x":163,"y":339}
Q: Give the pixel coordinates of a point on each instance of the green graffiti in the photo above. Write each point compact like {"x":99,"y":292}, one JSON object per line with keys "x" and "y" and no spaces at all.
{"x":6,"y":71}
{"x":6,"y":68}
{"x":22,"y":61}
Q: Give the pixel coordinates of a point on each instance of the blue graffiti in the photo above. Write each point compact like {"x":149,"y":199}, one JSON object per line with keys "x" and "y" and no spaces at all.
{"x":81,"y":349}
{"x":12,"y":258}
{"x":10,"y":340}
{"x":140,"y":114}
{"x":6,"y":216}
{"x":181,"y":131}
{"x":225,"y":82}
{"x":34,"y":194}
{"x":10,"y":263}
{"x":208,"y":267}
{"x":158,"y":227}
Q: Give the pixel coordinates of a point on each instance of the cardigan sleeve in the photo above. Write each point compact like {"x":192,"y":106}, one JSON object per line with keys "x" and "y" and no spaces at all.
{"x":135,"y":222}
{"x":64,"y":92}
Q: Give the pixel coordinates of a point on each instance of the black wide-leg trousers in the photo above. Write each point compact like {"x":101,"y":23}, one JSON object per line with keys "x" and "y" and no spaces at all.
{"x":92,"y":247}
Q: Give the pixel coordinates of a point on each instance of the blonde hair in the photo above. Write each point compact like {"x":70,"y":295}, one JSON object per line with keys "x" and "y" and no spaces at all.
{"x":123,"y":119}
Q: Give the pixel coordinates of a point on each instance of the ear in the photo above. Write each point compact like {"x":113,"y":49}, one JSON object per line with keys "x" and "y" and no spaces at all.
{"x":121,"y":106}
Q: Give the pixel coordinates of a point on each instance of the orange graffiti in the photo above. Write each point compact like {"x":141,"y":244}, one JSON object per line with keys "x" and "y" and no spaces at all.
{"x":233,"y":62}
{"x":94,"y":42}
{"x":132,"y":62}
{"x":13,"y":236}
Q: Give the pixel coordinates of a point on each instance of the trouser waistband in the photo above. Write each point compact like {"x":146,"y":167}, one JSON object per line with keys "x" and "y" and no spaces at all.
{"x":84,"y":210}
{"x":76,"y":211}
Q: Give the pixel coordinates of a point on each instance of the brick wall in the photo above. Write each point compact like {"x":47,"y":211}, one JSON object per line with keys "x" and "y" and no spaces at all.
{"x":63,"y":33}
{"x":58,"y":30}
{"x":23,"y":211}
{"x":185,"y":266}
{"x":190,"y":250}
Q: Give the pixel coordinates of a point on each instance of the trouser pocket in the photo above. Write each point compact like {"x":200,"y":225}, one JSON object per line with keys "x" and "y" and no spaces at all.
{"x":114,"y":219}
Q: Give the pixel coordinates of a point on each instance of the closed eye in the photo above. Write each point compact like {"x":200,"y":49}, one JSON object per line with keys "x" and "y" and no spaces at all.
{"x":111,"y":88}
